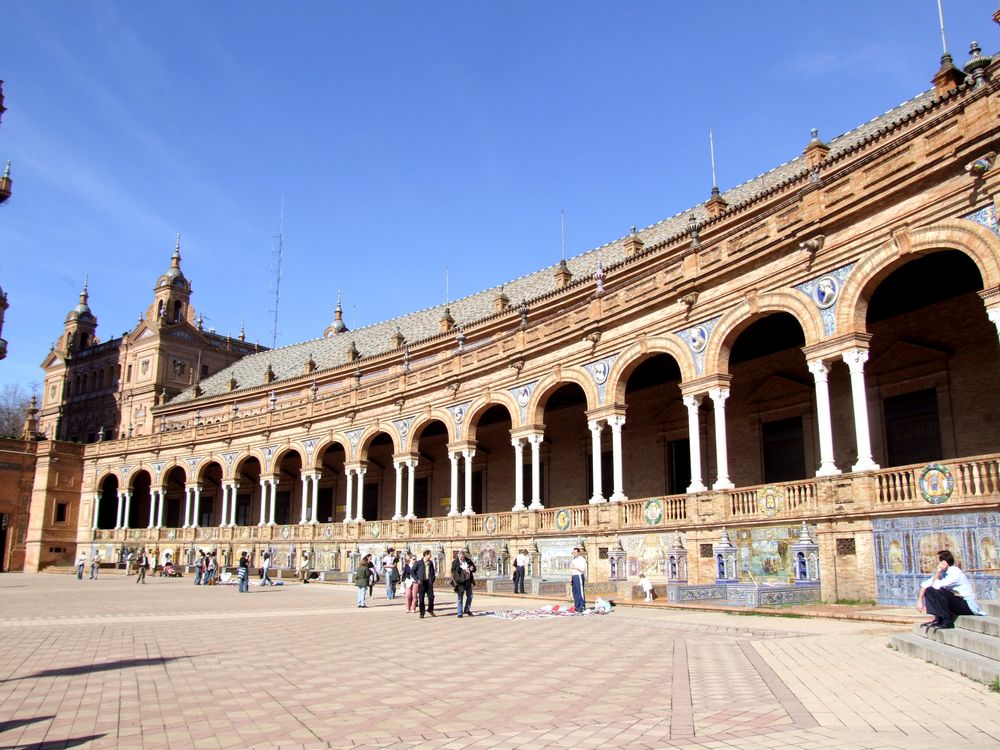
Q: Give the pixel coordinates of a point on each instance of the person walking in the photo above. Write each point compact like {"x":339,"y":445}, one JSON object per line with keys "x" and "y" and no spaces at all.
{"x":578,"y":568}
{"x":199,"y":568}
{"x":265,"y":573}
{"x":95,"y":564}
{"x":129,"y":561}
{"x":362,"y":577}
{"x":243,"y":573}
{"x":520,"y":567}
{"x":425,"y":574}
{"x":410,"y":587}
{"x":647,"y":587}
{"x":211,"y":569}
{"x":304,"y":567}
{"x":372,"y":575}
{"x":81,"y":561}
{"x":462,"y":580}
{"x":143,"y":565}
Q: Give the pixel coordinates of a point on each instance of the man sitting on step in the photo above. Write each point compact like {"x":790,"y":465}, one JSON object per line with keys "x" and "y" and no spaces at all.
{"x":947,"y":594}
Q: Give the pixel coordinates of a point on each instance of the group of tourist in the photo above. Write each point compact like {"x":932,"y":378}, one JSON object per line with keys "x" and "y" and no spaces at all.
{"x":417,"y":577}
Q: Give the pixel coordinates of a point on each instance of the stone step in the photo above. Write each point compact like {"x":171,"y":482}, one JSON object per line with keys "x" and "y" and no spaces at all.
{"x":975,"y":667}
{"x":990,"y":607}
{"x":985,"y":625}
{"x":967,"y":640}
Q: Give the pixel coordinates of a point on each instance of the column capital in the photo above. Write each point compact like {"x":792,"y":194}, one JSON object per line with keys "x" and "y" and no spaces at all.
{"x":461,"y":446}
{"x":832,"y":348}
{"x":604,"y":413}
{"x":718,"y":394}
{"x":691,"y":401}
{"x":616,"y":422}
{"x":193,"y":486}
{"x":596,"y":426}
{"x":705,"y":384}
{"x":855,"y":359}
{"x":528,"y":430}
{"x":819,"y":368}
{"x":536,"y":439}
{"x":355,"y":466}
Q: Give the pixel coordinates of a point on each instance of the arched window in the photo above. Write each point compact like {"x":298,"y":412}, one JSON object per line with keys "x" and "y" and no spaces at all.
{"x":177,"y":311}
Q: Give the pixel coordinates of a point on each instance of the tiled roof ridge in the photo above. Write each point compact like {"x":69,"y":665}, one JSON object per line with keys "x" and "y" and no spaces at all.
{"x":841,"y":146}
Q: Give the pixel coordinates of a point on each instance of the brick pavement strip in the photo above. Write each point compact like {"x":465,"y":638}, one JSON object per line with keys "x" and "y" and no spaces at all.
{"x":96,"y":664}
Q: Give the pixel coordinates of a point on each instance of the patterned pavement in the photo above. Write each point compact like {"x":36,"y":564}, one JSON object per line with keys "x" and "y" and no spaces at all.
{"x":107,"y":663}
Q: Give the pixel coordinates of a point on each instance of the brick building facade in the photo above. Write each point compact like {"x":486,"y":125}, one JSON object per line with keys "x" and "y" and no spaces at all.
{"x":790,"y":366}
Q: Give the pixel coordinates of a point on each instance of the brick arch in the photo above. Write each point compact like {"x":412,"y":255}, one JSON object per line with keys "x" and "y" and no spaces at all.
{"x":103,"y":474}
{"x":279,"y":455}
{"x":364,"y":442}
{"x":550,"y":383}
{"x":335,"y":438}
{"x":425,"y":418}
{"x":246,"y":454}
{"x":220,"y":462}
{"x":968,"y":237}
{"x":482,"y":404}
{"x":170,"y":465}
{"x":130,"y":483}
{"x":749,"y":310}
{"x":636,"y":353}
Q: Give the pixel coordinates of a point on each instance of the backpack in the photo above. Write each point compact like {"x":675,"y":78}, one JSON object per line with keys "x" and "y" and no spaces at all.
{"x":459,"y":577}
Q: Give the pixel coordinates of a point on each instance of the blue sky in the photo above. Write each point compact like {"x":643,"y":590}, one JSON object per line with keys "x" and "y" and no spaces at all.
{"x":405,"y":137}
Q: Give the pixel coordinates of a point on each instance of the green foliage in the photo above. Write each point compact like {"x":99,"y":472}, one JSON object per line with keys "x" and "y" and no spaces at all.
{"x":995,"y":685}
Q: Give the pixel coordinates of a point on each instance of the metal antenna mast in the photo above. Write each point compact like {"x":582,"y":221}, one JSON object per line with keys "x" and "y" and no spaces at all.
{"x":277,"y":281}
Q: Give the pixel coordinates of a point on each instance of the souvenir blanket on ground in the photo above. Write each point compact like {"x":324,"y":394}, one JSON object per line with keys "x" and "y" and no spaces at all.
{"x":553,"y":610}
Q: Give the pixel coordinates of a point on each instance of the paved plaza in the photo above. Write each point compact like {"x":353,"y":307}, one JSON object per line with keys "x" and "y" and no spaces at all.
{"x":108,"y":663}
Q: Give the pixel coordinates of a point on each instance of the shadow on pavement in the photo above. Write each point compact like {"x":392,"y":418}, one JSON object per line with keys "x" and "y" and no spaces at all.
{"x":105,"y":667}
{"x":53,"y":744}
{"x":6,"y":726}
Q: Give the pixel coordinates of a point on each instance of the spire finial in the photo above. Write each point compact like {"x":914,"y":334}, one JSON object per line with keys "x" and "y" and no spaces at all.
{"x":562,"y":231}
{"x":84,"y":295}
{"x":175,"y":259}
{"x":243,"y":333}
{"x":6,"y":171}
{"x":944,"y":42}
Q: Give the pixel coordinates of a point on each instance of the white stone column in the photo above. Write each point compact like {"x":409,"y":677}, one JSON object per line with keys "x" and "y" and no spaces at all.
{"x":152,"y":508}
{"x":719,"y":396}
{"x":97,"y":508}
{"x":453,"y":457}
{"x":128,"y":508}
{"x":994,"y":315}
{"x":596,"y":425}
{"x":361,"y":494}
{"x":536,"y":471}
{"x":187,"y":506}
{"x":468,"y":456}
{"x":234,"y":489}
{"x":821,"y":374}
{"x":274,"y":499}
{"x":518,"y":444}
{"x":694,"y":443}
{"x":314,"y":480}
{"x":349,"y":499}
{"x":263,"y":502}
{"x":618,"y":493}
{"x":855,"y":359}
{"x":161,"y":499}
{"x":304,"y":502}
{"x":411,"y":487}
{"x":196,"y":505}
{"x":119,"y":509}
{"x":224,"y":514}
{"x":398,"y":465}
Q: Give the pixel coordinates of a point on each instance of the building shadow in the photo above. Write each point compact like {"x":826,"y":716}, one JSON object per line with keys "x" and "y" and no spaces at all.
{"x":53,"y":744}
{"x":104,"y":667}
{"x":6,"y":726}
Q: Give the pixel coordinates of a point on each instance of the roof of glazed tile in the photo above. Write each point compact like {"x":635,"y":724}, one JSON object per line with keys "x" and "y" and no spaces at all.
{"x":330,"y":352}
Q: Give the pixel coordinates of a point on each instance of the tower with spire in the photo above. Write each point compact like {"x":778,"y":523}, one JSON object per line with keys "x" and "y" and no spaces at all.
{"x":104,"y":391}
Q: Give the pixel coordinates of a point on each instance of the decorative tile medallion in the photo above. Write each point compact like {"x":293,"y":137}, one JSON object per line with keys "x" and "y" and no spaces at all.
{"x":522,"y":395}
{"x":562,"y":519}
{"x":770,"y":501}
{"x":987,"y":217}
{"x":171,"y":534}
{"x":652,"y":511}
{"x":936,"y":483}
{"x":374,"y":530}
{"x":310,"y":445}
{"x":458,"y":414}
{"x":490,"y":524}
{"x":696,"y":339}
{"x":328,"y":532}
{"x":403,"y":427}
{"x":286,"y":532}
{"x":825,"y":293}
{"x":599,"y":371}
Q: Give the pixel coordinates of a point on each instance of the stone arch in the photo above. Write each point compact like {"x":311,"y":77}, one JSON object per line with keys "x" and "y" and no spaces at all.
{"x":102,"y":475}
{"x":733,"y":322}
{"x":203,"y":467}
{"x":245,"y":456}
{"x":424,"y":419}
{"x":634,"y":354}
{"x":966,"y":236}
{"x":552,"y":382}
{"x":133,"y":475}
{"x":482,"y":404}
{"x":168,"y":466}
{"x":284,"y":450}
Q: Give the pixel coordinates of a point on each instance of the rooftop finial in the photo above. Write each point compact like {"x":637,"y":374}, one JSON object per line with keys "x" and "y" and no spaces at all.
{"x":175,"y":259}
{"x":6,"y":171}
{"x":562,"y":231}
{"x":243,"y":332}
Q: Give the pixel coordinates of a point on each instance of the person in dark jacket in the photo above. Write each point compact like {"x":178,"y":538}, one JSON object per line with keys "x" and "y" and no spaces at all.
{"x":362,"y":578}
{"x":243,"y":573}
{"x":424,"y":574}
{"x":462,"y":580}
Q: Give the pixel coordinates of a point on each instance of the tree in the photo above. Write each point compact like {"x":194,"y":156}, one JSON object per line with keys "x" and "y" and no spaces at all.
{"x":14,"y":400}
